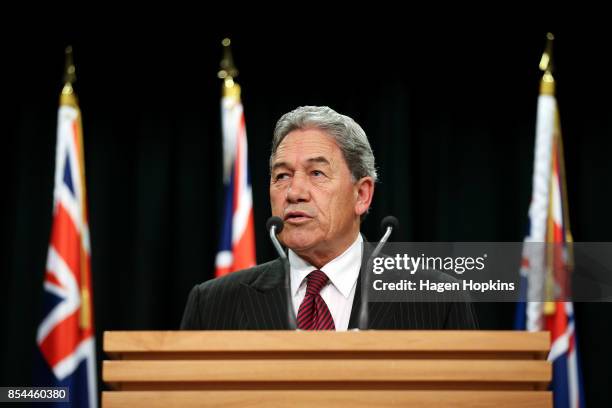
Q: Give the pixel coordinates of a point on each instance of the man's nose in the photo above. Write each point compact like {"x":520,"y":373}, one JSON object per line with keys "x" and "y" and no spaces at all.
{"x":299,"y":189}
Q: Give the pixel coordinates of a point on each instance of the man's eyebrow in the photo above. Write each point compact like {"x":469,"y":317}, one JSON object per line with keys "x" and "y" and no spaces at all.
{"x":318,"y":159}
{"x":279,"y":164}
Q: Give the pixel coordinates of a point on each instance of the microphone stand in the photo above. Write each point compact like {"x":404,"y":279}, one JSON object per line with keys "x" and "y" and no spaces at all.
{"x":388,"y":223}
{"x":274,"y":224}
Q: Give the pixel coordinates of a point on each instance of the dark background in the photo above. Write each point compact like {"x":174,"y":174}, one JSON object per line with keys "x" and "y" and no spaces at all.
{"x":451,"y":118}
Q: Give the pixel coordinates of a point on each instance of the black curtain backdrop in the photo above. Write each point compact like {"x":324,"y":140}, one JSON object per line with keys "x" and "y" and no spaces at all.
{"x":451,"y":118}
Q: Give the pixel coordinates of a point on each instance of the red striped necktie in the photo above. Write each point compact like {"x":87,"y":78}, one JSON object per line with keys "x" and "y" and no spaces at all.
{"x":313,"y":313}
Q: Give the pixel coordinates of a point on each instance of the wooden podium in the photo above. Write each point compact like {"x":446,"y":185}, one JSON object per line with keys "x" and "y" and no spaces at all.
{"x":357,"y":369}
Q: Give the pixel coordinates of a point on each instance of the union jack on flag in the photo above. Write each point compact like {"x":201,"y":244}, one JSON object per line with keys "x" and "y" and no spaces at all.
{"x":65,"y":336}
{"x":237,"y":241}
{"x":547,"y":255}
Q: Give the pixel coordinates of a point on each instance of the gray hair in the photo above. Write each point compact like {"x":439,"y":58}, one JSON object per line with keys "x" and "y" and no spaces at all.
{"x":349,"y":136}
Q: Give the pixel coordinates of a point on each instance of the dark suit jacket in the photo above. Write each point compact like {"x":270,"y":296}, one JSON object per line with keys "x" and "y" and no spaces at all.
{"x":255,"y":299}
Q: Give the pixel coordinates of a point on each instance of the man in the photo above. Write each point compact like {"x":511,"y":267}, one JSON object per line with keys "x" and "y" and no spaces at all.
{"x":322,"y":177}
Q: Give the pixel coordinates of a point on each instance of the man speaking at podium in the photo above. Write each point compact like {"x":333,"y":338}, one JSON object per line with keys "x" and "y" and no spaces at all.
{"x":322,"y":177}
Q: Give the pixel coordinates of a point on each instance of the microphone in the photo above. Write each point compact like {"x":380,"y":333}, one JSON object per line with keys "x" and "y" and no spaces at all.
{"x":387,"y":225}
{"x":389,"y":222}
{"x":275,"y":226}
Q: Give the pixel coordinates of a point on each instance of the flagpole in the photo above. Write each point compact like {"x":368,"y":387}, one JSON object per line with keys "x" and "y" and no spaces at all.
{"x":230,"y":91}
{"x":68,"y":97}
{"x":558,"y":139}
{"x":237,"y":244}
{"x":547,"y":87}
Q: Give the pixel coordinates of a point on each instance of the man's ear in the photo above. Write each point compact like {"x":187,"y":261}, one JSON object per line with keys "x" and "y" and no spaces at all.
{"x":364,"y":189}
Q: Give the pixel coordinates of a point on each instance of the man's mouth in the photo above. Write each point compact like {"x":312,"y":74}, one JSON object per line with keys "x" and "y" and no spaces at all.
{"x":297,"y":217}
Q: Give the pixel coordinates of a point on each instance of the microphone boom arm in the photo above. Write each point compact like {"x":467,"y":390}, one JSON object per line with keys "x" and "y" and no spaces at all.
{"x":276,"y":224}
{"x":277,"y":244}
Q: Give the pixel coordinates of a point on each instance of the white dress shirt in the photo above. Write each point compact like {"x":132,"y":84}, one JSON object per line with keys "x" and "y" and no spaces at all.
{"x":343,"y":272}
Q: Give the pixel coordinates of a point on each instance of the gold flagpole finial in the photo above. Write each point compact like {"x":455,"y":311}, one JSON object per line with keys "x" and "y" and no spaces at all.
{"x":546,"y":61}
{"x":228,"y":71}
{"x":69,"y":72}
{"x":547,"y":86}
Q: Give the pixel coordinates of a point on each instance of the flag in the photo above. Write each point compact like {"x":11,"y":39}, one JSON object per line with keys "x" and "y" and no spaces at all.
{"x":547,"y":254}
{"x":65,"y":335}
{"x":237,"y":241}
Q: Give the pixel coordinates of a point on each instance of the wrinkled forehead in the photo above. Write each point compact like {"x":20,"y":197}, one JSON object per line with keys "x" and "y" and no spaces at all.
{"x":306,"y":145}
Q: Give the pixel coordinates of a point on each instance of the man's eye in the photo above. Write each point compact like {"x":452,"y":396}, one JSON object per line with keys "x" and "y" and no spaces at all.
{"x":317,"y":173}
{"x":281,"y":176}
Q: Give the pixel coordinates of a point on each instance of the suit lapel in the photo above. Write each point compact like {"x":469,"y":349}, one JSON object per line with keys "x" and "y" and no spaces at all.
{"x":264,"y":300}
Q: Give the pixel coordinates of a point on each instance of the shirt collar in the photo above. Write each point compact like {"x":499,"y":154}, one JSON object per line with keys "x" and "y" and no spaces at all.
{"x":342,"y":271}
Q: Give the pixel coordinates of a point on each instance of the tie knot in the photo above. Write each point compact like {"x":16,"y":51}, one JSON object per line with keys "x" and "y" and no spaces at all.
{"x":315,"y":282}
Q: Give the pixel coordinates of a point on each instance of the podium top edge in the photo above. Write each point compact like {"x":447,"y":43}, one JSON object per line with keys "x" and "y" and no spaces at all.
{"x":326,"y":341}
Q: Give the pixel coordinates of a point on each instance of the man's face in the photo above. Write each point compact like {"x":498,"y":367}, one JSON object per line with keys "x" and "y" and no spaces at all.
{"x":312,"y":190}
